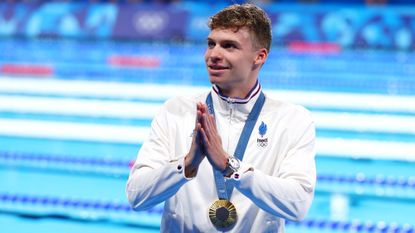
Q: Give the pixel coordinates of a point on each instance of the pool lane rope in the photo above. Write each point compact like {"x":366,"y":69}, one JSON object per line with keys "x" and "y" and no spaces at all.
{"x":321,"y":224}
{"x":359,"y":178}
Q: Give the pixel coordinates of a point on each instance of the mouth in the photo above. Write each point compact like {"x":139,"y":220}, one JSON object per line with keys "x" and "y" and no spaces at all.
{"x":217,"y":67}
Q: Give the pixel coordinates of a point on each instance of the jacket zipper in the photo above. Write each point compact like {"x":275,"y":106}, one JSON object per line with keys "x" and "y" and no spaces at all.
{"x":231,"y":105}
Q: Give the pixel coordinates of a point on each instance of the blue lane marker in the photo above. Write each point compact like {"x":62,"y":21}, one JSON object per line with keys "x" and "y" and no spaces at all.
{"x":82,"y":204}
{"x":361,"y":227}
{"x":402,"y":182}
{"x":321,"y":224}
{"x":62,"y":159}
{"x":405,"y":182}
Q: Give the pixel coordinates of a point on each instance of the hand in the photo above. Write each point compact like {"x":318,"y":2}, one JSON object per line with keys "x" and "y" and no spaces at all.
{"x":212,"y":142}
{"x":195,"y":155}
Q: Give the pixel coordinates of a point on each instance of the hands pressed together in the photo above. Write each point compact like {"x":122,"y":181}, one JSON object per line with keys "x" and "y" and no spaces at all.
{"x":206,"y":142}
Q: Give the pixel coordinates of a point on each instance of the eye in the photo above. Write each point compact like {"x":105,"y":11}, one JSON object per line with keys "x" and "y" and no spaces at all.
{"x":211,"y":44}
{"x":229,"y":46}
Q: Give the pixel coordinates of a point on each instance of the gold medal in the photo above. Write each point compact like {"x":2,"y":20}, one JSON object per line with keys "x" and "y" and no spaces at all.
{"x":222,"y":214}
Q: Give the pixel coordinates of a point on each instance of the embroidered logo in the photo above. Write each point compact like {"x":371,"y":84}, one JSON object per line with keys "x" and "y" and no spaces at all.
{"x":262,"y":142}
{"x":262,"y":129}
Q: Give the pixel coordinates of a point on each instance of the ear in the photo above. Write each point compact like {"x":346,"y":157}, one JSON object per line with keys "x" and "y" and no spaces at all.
{"x":261,"y":56}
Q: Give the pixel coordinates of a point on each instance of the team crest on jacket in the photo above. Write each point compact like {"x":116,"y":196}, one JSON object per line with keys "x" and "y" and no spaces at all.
{"x":262,"y":141}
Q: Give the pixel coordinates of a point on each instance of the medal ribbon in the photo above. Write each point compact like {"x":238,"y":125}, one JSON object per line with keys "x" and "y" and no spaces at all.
{"x":223,"y":188}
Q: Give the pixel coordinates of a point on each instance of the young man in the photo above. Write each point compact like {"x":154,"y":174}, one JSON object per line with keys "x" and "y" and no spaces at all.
{"x":247,"y":162}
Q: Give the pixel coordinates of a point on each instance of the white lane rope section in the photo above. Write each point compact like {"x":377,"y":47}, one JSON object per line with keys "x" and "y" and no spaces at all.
{"x":73,"y":131}
{"x":140,"y":110}
{"x":136,"y":135}
{"x":100,"y":89}
{"x":97,"y":89}
{"x":78,"y":107}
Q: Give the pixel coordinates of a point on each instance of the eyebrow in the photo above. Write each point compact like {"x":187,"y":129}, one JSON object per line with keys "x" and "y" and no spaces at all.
{"x":224,"y":41}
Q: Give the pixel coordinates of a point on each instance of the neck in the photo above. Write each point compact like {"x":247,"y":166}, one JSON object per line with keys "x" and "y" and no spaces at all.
{"x":240,"y":92}
{"x":238,"y":97}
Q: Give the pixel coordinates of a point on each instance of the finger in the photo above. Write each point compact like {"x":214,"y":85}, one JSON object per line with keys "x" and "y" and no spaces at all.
{"x":205,"y":127}
{"x":199,"y":105}
{"x":197,"y":132}
{"x":197,"y":126}
{"x":210,"y":124}
{"x":199,"y":117}
{"x":204,"y":108}
{"x":209,"y":127}
{"x":212,"y":121}
{"x":205,"y":139}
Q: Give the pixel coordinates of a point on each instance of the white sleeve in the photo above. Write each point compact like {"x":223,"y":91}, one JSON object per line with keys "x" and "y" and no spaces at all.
{"x":155,"y":176}
{"x":290,"y":193}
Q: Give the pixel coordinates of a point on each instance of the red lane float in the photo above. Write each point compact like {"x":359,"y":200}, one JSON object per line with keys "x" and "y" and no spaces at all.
{"x":314,"y":47}
{"x":26,"y":69}
{"x":133,"y":61}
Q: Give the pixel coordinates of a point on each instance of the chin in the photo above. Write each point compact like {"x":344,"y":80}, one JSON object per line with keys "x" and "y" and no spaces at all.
{"x":215,"y":79}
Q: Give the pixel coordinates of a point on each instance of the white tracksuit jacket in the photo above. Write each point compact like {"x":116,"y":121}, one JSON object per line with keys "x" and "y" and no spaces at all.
{"x":279,"y":185}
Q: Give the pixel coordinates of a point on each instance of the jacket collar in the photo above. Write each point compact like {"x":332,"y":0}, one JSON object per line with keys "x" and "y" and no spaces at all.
{"x":223,"y":103}
{"x":253,"y":92}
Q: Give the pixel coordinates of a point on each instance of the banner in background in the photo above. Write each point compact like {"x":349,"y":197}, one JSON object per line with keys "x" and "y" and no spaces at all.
{"x":160,"y":23}
{"x":59,"y":19}
{"x":348,"y":27}
{"x":361,"y":27}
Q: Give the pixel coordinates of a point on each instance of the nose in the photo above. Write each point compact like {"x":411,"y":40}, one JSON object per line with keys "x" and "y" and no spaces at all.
{"x":214,"y":53}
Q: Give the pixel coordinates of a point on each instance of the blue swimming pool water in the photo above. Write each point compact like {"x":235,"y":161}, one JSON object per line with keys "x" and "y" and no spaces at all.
{"x":69,"y":181}
{"x":78,"y":185}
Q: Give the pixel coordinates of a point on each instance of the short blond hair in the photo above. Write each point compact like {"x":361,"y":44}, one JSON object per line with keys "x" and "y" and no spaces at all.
{"x":247,"y":15}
